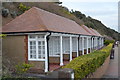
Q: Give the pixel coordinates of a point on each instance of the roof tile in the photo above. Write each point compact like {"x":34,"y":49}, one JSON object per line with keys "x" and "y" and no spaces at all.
{"x":36,"y":19}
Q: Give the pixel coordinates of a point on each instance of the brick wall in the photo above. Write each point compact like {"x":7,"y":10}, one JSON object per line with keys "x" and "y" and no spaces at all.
{"x":26,"y":48}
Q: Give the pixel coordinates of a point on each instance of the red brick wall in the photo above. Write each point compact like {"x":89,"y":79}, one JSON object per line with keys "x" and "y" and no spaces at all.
{"x":26,"y":48}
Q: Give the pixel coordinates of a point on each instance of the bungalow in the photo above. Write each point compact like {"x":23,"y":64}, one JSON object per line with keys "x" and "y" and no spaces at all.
{"x":42,"y":38}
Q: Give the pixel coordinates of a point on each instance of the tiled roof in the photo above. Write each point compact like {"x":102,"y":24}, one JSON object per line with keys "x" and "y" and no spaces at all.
{"x":97,"y":34}
{"x":89,"y":30}
{"x":36,"y":19}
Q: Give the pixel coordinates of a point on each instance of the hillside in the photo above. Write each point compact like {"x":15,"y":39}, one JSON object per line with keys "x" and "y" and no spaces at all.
{"x":57,"y":8}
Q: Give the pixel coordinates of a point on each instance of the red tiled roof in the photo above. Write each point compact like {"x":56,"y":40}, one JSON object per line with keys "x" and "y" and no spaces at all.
{"x":89,"y":30}
{"x":97,"y":34}
{"x":37,"y":19}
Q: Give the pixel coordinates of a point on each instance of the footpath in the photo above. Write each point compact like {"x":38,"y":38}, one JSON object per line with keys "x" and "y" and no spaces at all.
{"x":112,"y":71}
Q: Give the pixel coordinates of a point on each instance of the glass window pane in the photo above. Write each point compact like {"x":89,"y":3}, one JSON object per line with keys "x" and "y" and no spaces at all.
{"x":39,"y":56}
{"x":44,"y":52}
{"x":43,"y":43}
{"x":30,"y":51}
{"x":34,"y":42}
{"x":41,"y":49}
{"x":33,"y":49}
{"x":30,"y":56}
{"x":39,"y":43}
{"x":34,"y":56}
{"x":32,"y":36}
{"x":39,"y":52}
{"x":40,"y":36}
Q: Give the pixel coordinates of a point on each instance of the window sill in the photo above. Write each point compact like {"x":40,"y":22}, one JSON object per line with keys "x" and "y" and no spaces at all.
{"x":54,"y":55}
{"x":66,"y":53}
{"x":36,"y":59}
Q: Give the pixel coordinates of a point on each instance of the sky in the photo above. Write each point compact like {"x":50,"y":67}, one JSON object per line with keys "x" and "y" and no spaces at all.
{"x":104,"y":10}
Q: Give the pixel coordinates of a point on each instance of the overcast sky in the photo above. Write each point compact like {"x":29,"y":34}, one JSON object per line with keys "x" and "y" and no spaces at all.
{"x":104,"y":10}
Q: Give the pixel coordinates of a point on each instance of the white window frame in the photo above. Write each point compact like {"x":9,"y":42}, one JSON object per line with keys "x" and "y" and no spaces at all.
{"x":35,"y":39}
{"x":53,"y":46}
{"x":66,"y":45}
{"x":74,"y":44}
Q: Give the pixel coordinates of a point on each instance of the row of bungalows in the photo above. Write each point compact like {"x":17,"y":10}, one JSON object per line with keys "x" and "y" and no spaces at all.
{"x":44,"y":39}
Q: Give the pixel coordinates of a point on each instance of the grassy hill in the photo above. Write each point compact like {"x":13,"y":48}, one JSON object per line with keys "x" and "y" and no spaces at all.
{"x":58,"y":9}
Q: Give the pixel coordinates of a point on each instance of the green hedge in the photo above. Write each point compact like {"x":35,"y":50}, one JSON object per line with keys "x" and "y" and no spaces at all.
{"x":107,"y":42}
{"x":86,"y":64}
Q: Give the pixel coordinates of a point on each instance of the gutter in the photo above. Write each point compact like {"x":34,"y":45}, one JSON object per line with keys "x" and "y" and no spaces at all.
{"x":37,"y":32}
{"x":47,"y":38}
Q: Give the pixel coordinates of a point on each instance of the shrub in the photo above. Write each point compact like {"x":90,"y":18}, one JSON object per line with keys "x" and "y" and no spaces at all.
{"x":22,"y":68}
{"x":2,"y":35}
{"x":23,"y":7}
{"x":107,"y":42}
{"x":86,"y":64}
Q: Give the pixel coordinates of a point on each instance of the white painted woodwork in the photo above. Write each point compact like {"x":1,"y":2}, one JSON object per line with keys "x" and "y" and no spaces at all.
{"x":70,"y":48}
{"x":61,"y":52}
{"x":82,"y":45}
{"x":46,"y":55}
{"x":87,"y":44}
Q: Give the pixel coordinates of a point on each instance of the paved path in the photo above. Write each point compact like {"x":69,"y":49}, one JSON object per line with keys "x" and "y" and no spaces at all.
{"x":112,"y":71}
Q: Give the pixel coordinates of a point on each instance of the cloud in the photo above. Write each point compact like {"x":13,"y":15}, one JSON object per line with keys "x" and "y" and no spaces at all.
{"x":106,"y":12}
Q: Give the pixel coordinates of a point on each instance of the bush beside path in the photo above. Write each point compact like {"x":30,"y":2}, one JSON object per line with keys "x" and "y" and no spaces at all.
{"x":87,"y":64}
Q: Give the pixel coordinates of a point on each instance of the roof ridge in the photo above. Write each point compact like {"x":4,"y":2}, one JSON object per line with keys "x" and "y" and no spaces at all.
{"x":54,"y":14}
{"x":86,"y":29}
{"x":95,"y":32}
{"x":38,"y":13}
